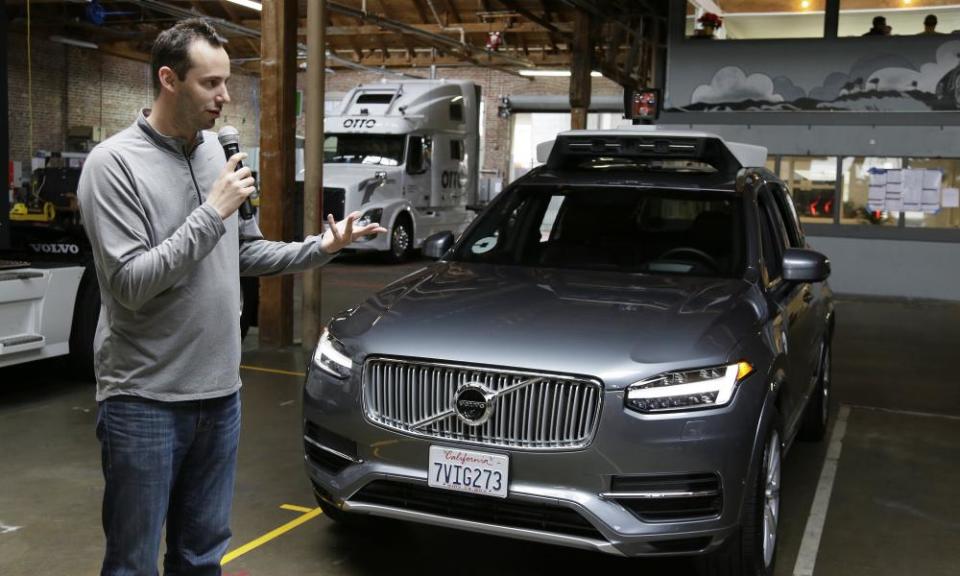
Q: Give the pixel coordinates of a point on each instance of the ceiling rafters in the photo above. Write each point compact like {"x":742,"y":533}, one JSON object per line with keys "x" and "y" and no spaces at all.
{"x":398,"y":30}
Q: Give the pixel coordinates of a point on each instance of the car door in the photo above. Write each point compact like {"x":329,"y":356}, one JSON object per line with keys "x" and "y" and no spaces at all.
{"x":788,"y":300}
{"x":813,"y":325}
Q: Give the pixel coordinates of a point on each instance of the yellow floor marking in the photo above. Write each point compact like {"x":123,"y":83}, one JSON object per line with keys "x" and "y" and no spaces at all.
{"x":301,"y":509}
{"x":313,"y":513}
{"x":272,"y":370}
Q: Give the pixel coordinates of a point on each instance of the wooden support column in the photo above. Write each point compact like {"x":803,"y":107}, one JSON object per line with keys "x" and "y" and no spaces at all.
{"x":313,"y":157}
{"x":5,"y":140}
{"x":278,"y":86}
{"x":580,"y":68}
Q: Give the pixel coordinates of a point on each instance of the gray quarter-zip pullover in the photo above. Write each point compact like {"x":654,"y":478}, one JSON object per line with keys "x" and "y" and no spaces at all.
{"x":169,"y":268}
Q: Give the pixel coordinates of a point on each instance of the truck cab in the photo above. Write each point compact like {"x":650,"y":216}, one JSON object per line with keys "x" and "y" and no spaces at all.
{"x":404,"y":154}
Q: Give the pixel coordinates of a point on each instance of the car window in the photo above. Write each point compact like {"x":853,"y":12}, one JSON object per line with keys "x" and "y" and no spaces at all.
{"x":657,"y":231}
{"x":771,"y":237}
{"x":788,"y":214}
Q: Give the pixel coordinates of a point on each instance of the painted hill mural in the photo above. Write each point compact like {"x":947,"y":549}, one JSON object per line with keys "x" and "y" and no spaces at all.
{"x":877,"y":83}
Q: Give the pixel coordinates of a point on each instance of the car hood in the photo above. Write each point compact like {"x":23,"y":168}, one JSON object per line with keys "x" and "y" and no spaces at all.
{"x":613,"y":326}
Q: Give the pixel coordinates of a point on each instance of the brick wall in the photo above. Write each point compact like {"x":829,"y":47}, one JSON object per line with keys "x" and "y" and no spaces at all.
{"x":80,"y":87}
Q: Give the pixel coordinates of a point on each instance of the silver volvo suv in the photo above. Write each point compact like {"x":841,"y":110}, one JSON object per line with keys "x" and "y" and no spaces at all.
{"x":615,"y":355}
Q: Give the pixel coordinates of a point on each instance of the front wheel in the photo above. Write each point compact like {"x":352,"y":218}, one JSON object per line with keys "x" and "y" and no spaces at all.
{"x":401,"y":240}
{"x":752,"y":550}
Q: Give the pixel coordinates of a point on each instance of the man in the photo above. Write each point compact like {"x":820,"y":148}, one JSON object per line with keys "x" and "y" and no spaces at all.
{"x":879,"y":28}
{"x":930,"y":26}
{"x":159,"y":204}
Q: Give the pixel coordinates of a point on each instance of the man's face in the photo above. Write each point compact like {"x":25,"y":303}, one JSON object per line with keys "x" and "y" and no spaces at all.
{"x":200,"y":96}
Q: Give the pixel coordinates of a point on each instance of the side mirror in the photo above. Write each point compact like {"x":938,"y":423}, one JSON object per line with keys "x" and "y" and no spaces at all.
{"x":801,"y":265}
{"x":437,"y":245}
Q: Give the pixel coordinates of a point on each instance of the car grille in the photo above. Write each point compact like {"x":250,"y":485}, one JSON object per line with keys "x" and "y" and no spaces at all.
{"x":513,"y":513}
{"x":555,"y":412}
{"x":333,"y":202}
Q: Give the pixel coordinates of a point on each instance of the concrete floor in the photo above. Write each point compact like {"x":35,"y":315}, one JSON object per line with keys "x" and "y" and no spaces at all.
{"x":894,"y":507}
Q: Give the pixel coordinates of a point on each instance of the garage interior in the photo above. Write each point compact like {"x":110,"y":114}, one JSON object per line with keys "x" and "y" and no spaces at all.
{"x":879,"y":497}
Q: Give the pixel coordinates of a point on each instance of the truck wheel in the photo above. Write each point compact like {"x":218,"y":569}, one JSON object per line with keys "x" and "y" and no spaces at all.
{"x":86,"y":313}
{"x":401,"y":240}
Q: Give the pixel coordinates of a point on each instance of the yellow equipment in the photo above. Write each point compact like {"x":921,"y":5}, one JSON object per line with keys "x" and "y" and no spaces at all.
{"x":23,"y":213}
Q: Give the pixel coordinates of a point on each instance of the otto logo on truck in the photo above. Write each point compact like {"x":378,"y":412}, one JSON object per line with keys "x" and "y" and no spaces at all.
{"x":451,"y":179}
{"x":359,"y":123}
{"x":55,"y":248}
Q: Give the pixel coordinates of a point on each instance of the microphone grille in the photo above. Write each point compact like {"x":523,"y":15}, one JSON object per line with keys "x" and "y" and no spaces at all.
{"x":228,"y":135}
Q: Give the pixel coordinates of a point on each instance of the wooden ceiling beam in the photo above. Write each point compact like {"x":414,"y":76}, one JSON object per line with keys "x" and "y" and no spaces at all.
{"x":453,"y":12}
{"x":250,"y":42}
{"x":468,"y":27}
{"x":421,"y":11}
{"x":541,"y":20}
{"x":420,"y":59}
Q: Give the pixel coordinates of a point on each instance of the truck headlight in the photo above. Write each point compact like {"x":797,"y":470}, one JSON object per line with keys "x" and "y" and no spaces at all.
{"x":688,"y":389}
{"x":369,"y":217}
{"x":330,"y":356}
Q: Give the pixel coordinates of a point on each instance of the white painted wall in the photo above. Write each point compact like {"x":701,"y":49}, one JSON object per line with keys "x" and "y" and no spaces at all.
{"x":892,"y":267}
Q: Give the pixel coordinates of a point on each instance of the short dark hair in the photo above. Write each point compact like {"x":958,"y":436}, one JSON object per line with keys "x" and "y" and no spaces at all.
{"x":171,"y":48}
{"x":930,"y":20}
{"x":879,"y":21}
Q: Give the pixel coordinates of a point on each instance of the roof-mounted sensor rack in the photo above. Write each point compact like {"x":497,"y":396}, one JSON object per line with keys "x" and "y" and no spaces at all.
{"x":572,"y":149}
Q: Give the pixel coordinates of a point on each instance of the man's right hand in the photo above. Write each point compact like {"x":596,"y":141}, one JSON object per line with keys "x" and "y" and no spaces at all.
{"x":232,"y":187}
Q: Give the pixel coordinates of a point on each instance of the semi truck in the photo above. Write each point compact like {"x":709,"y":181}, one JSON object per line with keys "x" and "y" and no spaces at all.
{"x":49,"y":296}
{"x":405,"y":154}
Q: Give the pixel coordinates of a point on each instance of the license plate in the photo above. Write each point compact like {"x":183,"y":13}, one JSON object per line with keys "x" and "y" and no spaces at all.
{"x":468,"y":471}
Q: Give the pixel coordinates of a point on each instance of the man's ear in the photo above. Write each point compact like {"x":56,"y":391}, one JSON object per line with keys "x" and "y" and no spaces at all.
{"x":168,"y":78}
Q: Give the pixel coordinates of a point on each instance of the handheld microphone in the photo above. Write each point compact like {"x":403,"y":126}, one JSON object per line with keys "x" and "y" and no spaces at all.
{"x":230,"y":140}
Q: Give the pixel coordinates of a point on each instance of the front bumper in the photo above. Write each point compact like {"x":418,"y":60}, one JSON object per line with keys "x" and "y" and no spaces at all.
{"x":558,"y":497}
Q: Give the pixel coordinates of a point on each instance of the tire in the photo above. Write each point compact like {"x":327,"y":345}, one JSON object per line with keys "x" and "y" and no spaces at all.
{"x":751,"y":550}
{"x":401,"y":240}
{"x":817,"y":413}
{"x":86,"y":314}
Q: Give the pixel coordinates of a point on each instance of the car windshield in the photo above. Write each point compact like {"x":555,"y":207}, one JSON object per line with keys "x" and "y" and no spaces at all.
{"x":657,"y":231}
{"x":377,"y":149}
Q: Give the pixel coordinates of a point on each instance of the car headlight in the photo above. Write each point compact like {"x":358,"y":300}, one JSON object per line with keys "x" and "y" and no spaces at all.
{"x":687,"y":389}
{"x":330,"y":356}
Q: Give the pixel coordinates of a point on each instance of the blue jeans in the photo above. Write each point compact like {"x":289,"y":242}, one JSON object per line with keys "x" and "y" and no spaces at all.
{"x":173,"y":462}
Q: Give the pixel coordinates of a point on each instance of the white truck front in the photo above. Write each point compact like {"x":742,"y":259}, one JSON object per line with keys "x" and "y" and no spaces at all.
{"x":405,"y":154}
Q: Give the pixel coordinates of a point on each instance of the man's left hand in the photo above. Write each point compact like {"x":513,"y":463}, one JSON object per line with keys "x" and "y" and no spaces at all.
{"x":341,"y":234}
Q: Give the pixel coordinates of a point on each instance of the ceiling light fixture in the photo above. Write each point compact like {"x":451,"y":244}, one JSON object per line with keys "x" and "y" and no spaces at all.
{"x":248,"y":4}
{"x":553,"y":73}
{"x":72,"y":42}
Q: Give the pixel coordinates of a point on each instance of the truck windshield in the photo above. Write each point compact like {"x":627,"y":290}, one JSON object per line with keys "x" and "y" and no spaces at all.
{"x":375,"y":149}
{"x":656,"y":231}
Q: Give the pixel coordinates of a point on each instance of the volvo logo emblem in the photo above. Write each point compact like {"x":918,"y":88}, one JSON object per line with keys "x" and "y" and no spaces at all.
{"x":473,"y":403}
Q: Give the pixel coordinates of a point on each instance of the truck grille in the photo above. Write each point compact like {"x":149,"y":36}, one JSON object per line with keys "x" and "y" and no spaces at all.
{"x":540,"y":412}
{"x":333,"y":202}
